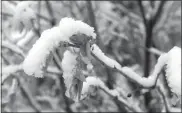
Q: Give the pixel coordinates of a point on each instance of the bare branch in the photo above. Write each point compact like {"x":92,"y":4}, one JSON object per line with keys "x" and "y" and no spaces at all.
{"x":93,"y":22}
{"x":28,"y":95}
{"x":158,"y":13}
{"x":143,"y":13}
{"x":51,"y":13}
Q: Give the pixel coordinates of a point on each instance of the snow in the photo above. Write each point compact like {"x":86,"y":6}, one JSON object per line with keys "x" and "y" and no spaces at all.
{"x":26,"y":39}
{"x":68,"y":64}
{"x":69,"y":27}
{"x":90,"y":81}
{"x":36,"y":57}
{"x":102,"y":57}
{"x":24,"y":14}
{"x":11,"y":69}
{"x":173,"y":71}
{"x":49,"y":40}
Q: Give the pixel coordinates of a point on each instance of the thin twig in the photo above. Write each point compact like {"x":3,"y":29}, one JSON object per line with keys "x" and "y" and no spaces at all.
{"x":143,"y":12}
{"x":51,"y":13}
{"x":115,"y":94}
{"x":12,"y":47}
{"x":28,"y":95}
{"x":39,"y":12}
{"x":158,"y":13}
{"x":93,"y":22}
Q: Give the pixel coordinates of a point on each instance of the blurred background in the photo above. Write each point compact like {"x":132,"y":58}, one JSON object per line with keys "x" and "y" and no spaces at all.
{"x":134,"y":33}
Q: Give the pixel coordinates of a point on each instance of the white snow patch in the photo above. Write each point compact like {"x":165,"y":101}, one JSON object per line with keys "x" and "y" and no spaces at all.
{"x":90,"y":81}
{"x":49,"y":40}
{"x":102,"y":57}
{"x":173,"y":71}
{"x":68,"y":64}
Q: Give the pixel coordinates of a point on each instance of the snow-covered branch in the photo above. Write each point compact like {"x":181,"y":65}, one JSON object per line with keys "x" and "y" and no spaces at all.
{"x":12,"y":47}
{"x":49,"y":40}
{"x":129,"y":73}
{"x":93,"y":82}
{"x":8,"y":70}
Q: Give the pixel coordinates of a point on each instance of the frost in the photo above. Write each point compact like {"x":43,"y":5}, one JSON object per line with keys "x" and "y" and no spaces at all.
{"x":51,"y":39}
{"x":173,"y":70}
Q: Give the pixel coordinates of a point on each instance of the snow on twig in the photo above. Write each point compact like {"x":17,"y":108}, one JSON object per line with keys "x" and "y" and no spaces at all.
{"x":51,"y":39}
{"x":96,"y":82}
{"x":6,"y":71}
{"x":127,"y":72}
{"x":26,"y":39}
{"x":12,"y":47}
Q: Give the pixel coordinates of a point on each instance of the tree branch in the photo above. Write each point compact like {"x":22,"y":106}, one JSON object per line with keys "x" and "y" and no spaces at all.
{"x":158,"y":13}
{"x":144,"y":82}
{"x":93,"y":22}
{"x":28,"y":95}
{"x":143,"y":13}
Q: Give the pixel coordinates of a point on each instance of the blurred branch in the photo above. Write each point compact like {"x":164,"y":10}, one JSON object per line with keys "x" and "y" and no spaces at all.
{"x":28,"y":37}
{"x":128,"y":12}
{"x":52,"y":101}
{"x":39,"y":12}
{"x":6,"y":61}
{"x":158,"y":13}
{"x":51,"y":13}
{"x":12,"y":95}
{"x":12,"y":47}
{"x":53,"y":70}
{"x":6,"y":14}
{"x":166,"y":101}
{"x":40,"y":16}
{"x":13,"y":2}
{"x":8,"y":70}
{"x":143,"y":12}
{"x":115,"y":94}
{"x":93,"y":22}
{"x":166,"y":104}
{"x":169,"y":10}
{"x":44,"y":18}
{"x":28,"y":95}
{"x":151,"y":49}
